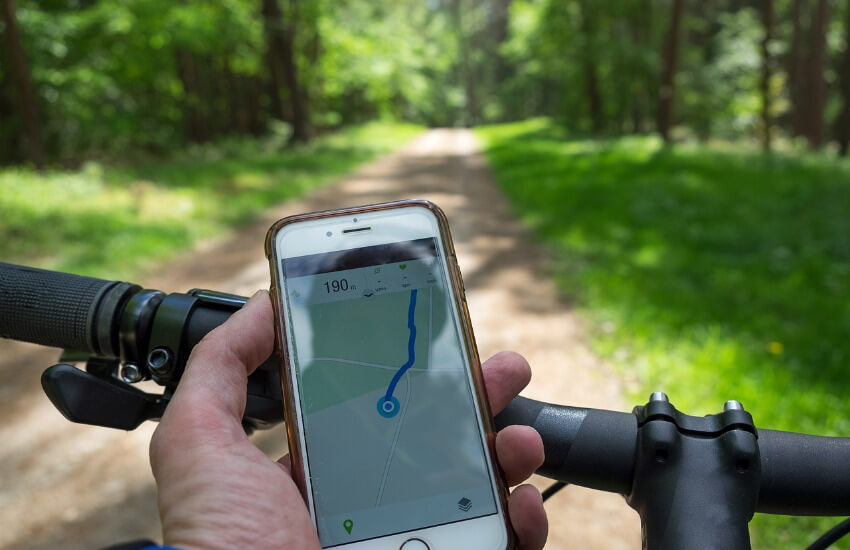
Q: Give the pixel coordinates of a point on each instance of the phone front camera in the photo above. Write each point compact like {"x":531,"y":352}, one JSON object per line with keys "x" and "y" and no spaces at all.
{"x":329,"y":233}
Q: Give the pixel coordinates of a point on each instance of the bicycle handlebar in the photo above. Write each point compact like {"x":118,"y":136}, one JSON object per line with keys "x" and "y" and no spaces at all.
{"x":588,"y":447}
{"x":61,"y":310}
{"x":804,"y":474}
{"x":800,"y":474}
{"x":793,"y":474}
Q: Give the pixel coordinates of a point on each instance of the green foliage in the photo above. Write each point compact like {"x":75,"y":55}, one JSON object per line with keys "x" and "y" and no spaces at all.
{"x":113,"y":221}
{"x":711,"y":274}
{"x":107,"y":73}
{"x":115,"y":77}
{"x":719,"y":86}
{"x":558,"y":47}
{"x":387,"y":59}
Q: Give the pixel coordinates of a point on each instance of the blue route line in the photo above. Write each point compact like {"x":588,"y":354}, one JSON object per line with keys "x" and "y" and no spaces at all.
{"x":411,"y":353}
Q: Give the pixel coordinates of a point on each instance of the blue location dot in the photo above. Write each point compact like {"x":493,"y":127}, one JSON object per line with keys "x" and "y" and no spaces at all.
{"x":388,"y":408}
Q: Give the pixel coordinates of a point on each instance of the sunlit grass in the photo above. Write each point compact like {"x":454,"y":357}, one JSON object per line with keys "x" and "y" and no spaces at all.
{"x":708,"y":274}
{"x":114,"y":221}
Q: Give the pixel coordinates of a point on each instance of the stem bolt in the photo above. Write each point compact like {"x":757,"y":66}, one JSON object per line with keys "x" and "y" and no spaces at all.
{"x":160,"y":361}
{"x":659,"y":396}
{"x":130,"y":373}
{"x":733,"y":405}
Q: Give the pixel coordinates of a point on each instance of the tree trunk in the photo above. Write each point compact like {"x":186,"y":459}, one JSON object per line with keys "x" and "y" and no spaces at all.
{"x":817,"y":65}
{"x":706,"y":41}
{"x":593,"y":97}
{"x":766,"y":73}
{"x":638,"y":26}
{"x":797,"y":77}
{"x":256,"y":120}
{"x":842,"y":124}
{"x":466,"y":77}
{"x":237,"y":121}
{"x":9,"y":142}
{"x":187,"y":70}
{"x":31,"y":143}
{"x":670,"y":57}
{"x":208,"y":93}
{"x":589,"y":66}
{"x":501,"y":17}
{"x":297,"y":96}
{"x":221,"y":97}
{"x":271,"y":25}
{"x":650,"y":77}
{"x":280,"y":34}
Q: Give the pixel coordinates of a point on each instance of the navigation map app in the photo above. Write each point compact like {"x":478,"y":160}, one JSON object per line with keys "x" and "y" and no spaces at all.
{"x":391,"y":432}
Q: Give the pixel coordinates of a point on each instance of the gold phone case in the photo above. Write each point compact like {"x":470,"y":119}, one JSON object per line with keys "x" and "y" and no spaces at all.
{"x":458,"y":295}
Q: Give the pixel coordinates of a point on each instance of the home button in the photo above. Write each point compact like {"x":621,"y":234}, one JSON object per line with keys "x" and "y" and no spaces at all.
{"x":415,"y":544}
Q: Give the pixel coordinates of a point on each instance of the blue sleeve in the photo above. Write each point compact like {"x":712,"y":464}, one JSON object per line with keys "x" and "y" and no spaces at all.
{"x":140,"y":545}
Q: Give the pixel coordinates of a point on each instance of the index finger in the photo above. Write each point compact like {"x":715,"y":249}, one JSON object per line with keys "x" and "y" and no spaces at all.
{"x":213,"y":387}
{"x":505,"y":375}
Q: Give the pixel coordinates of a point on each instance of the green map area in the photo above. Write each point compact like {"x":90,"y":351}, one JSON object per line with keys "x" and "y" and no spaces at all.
{"x":392,"y":438}
{"x":358,"y":345}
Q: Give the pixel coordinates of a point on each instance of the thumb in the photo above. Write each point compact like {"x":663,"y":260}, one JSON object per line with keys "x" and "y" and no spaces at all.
{"x":212,"y":390}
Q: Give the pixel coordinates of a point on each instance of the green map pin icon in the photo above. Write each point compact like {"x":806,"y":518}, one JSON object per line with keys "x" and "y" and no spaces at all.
{"x":348,"y":524}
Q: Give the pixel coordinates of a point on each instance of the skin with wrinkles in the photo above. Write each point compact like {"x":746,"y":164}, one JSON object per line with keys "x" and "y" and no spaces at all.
{"x":216,"y":490}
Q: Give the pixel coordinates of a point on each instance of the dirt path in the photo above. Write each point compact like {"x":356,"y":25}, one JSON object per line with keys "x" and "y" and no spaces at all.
{"x":69,"y":486}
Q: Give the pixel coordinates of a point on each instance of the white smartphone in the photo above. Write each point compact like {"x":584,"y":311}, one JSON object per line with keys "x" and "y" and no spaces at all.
{"x":389,"y":428}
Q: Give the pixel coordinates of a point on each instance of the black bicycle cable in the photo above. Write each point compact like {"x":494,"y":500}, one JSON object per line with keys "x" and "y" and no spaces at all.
{"x":825,"y":541}
{"x":552,"y":489}
{"x":831,"y":536}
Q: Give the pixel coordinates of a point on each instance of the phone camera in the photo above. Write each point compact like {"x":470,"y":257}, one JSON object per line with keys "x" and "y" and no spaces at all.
{"x":329,"y":233}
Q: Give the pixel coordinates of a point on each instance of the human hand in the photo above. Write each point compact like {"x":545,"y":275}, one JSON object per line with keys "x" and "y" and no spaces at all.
{"x":217,"y":490}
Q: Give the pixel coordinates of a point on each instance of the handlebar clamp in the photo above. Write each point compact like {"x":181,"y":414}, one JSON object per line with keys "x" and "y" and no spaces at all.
{"x":696,"y":479}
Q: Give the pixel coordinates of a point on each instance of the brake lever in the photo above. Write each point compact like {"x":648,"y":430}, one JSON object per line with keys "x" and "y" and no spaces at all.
{"x":155,"y":337}
{"x":85,"y":398}
{"x":91,"y":398}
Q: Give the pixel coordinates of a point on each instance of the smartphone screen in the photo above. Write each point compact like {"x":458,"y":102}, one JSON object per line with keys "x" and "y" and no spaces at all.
{"x":390,"y":427}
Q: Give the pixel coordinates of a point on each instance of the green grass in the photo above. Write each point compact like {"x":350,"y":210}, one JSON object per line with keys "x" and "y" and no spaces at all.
{"x":710,"y":274}
{"x":115,"y":221}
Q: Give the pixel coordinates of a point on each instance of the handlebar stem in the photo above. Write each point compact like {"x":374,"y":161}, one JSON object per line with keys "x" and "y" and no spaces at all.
{"x":696,"y":479}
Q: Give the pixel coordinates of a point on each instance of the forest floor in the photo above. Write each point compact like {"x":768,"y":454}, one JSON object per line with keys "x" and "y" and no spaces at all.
{"x":85,"y":487}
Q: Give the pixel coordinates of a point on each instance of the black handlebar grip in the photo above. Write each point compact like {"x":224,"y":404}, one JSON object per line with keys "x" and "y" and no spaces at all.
{"x":61,"y":310}
{"x":804,"y":474}
{"x":588,"y":447}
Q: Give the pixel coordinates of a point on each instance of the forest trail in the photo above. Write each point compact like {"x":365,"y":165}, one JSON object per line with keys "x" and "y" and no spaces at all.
{"x":71,"y":486}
